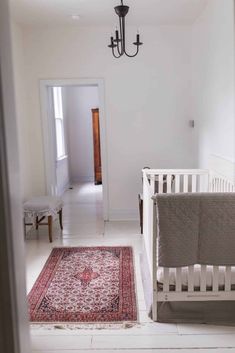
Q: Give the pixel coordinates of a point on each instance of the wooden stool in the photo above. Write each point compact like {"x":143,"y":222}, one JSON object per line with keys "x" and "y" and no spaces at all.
{"x":38,"y":208}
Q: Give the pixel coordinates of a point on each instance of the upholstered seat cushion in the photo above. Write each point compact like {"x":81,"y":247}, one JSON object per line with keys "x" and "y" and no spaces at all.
{"x":43,"y":206}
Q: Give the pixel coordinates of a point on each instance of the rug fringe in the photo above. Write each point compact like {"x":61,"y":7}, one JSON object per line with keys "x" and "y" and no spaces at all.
{"x":83,"y":326}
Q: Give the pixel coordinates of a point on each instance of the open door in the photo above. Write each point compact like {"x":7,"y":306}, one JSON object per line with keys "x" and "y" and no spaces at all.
{"x":96,"y":144}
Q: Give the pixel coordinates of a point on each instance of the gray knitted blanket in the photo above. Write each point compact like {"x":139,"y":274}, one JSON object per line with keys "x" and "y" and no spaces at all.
{"x":195,"y":228}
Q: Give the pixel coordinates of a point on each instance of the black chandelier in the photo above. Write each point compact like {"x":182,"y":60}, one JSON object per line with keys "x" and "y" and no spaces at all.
{"x":118,"y":44}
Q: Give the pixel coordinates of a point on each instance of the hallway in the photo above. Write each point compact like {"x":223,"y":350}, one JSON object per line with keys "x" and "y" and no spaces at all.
{"x":83,"y":211}
{"x":83,"y":226}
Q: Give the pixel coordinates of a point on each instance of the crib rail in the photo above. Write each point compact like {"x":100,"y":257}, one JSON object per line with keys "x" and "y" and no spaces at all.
{"x":177,"y":180}
{"x":219,"y":286}
{"x":218,"y":183}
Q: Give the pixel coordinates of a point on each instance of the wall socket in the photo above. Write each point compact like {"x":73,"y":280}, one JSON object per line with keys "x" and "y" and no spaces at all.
{"x":192,"y":123}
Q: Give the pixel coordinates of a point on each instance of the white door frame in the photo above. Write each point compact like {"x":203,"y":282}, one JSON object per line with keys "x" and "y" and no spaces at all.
{"x":49,"y":133}
{"x":14,"y":327}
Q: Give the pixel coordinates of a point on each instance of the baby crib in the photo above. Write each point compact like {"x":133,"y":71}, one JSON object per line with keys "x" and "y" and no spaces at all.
{"x":182,"y":284}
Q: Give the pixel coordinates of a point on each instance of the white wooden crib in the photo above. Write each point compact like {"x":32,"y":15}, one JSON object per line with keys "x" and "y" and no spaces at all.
{"x":192,"y":180}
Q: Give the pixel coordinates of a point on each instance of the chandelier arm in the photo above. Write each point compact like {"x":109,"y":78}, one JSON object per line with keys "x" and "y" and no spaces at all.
{"x":116,"y":56}
{"x":123,"y":35}
{"x":119,"y":47}
{"x":124,"y":43}
{"x":132,"y":56}
{"x":119,"y":50}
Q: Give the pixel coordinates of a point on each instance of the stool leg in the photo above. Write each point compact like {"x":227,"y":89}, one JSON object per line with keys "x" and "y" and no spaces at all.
{"x":37,"y":222}
{"x":60,"y":218}
{"x":50,"y":228}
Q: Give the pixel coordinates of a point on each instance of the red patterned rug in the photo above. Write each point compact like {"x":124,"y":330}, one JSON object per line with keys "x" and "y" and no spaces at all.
{"x":85,"y":284}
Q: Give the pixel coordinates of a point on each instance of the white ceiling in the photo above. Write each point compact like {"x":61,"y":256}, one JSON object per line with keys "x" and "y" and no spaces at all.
{"x":100,"y":12}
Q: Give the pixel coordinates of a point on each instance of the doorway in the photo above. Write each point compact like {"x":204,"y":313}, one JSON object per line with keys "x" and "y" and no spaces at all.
{"x":83,"y":158}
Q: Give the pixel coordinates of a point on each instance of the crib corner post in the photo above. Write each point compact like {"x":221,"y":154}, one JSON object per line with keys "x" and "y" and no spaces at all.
{"x":154,"y":305}
{"x":154,"y":263}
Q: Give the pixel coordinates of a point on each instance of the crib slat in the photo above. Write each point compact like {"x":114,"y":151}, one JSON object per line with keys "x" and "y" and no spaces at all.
{"x":185,"y":183}
{"x":228,"y":278}
{"x":201,"y":183}
{"x":214,"y":185}
{"x":152,"y":183}
{"x":223,"y":186}
{"x":215,"y":285}
{"x":191,"y":278}
{"x":166,"y":279}
{"x":169,"y":177}
{"x":219,"y":185}
{"x":194,"y":183}
{"x":178,"y":279}
{"x":160,"y":183}
{"x":177,"y":183}
{"x":203,"y":278}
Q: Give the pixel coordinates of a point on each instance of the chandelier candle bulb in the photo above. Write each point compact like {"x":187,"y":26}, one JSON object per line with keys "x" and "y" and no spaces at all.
{"x":112,"y":45}
{"x":117,"y":35}
{"x":138,"y":43}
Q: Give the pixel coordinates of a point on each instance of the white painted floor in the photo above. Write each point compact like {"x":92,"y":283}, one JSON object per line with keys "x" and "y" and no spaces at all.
{"x":83,"y":225}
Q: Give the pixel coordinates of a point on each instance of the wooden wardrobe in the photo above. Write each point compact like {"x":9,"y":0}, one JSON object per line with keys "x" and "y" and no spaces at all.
{"x":96,"y":144}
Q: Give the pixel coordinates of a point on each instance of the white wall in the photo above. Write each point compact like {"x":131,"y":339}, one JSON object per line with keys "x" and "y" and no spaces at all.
{"x":26,"y":181}
{"x":147,"y":101}
{"x":213,"y":86}
{"x":62,"y":176}
{"x":79,"y":102}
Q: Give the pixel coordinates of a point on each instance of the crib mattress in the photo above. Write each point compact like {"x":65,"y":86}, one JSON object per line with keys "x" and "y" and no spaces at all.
{"x":197,"y":270}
